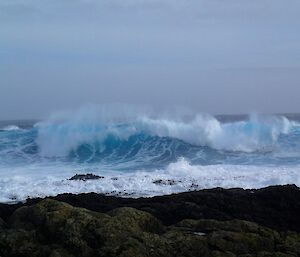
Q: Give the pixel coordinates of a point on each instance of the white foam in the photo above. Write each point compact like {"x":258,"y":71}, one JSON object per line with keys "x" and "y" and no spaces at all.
{"x":10,"y":128}
{"x":257,"y":133}
{"x":17,"y":184}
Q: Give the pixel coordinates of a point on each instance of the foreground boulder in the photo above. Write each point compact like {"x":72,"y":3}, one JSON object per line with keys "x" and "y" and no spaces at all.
{"x":56,"y":229}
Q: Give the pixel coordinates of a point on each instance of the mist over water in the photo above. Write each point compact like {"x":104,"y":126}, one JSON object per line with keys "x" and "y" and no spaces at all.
{"x":132,"y":149}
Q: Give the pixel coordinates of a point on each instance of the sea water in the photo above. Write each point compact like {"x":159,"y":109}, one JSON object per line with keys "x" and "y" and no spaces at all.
{"x":145,"y":154}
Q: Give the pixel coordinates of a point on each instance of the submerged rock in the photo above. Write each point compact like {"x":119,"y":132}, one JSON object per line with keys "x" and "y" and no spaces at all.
{"x":56,"y":229}
{"x":84,"y":177}
{"x":168,"y":182}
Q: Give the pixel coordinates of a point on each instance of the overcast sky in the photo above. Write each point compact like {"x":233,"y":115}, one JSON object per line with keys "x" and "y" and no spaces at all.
{"x":215,"y":56}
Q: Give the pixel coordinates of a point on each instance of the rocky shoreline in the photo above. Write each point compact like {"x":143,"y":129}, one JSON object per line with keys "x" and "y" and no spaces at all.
{"x":214,"y":222}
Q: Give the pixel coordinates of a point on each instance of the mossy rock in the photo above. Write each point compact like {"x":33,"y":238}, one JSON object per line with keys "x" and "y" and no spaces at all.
{"x":240,"y":238}
{"x":134,"y":220}
{"x":60,"y":253}
{"x":83,"y":232}
{"x":61,"y":223}
{"x":56,"y":229}
{"x":20,"y":243}
{"x":290,"y":243}
{"x":209,"y":225}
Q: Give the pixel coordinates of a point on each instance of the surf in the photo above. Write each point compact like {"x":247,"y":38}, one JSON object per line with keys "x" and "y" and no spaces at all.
{"x":133,"y":149}
{"x":90,"y":135}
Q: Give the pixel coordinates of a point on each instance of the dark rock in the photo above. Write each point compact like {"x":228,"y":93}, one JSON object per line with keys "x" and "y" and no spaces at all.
{"x":57,"y":229}
{"x":169,"y":182}
{"x":277,"y":207}
{"x":7,"y":209}
{"x":2,"y":224}
{"x":20,"y":243}
{"x":194,"y":186}
{"x":84,"y":177}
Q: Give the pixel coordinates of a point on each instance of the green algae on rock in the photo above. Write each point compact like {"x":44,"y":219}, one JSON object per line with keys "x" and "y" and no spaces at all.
{"x":56,"y":229}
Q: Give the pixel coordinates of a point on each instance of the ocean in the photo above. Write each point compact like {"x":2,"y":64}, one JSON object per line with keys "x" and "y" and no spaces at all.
{"x":140,"y":154}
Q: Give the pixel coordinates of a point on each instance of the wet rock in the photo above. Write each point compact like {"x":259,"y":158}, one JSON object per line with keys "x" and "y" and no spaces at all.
{"x":76,"y":231}
{"x":216,"y":222}
{"x":277,"y":207}
{"x":166,"y":182}
{"x":57,"y":229}
{"x":85,"y":177}
{"x":194,"y":186}
{"x":127,"y":194}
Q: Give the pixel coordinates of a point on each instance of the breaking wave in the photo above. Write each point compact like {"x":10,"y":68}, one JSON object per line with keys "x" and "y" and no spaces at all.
{"x":143,"y":139}
{"x":10,"y":128}
{"x":258,"y":133}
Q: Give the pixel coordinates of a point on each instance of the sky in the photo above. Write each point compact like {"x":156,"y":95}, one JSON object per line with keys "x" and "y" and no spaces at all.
{"x":214,"y":56}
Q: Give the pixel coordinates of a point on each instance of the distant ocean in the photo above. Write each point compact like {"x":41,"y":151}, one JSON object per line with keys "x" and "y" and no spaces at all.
{"x":146,"y":155}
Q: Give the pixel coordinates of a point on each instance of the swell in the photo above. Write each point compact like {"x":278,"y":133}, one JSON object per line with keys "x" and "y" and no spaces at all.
{"x":255,"y":134}
{"x":143,"y":139}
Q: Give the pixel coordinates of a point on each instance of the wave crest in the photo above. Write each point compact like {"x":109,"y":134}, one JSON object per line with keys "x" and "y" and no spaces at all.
{"x":10,"y":128}
{"x":58,"y":137}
